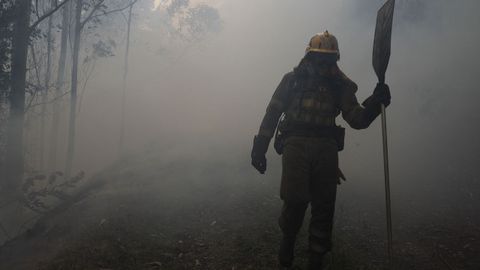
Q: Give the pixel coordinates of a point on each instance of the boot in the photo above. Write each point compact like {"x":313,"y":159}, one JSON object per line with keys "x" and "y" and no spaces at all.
{"x":286,"y":253}
{"x":318,"y":261}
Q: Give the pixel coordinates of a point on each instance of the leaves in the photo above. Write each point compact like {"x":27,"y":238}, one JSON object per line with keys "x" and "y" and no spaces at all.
{"x":103,"y":49}
{"x":203,"y":19}
{"x":37,"y":191}
{"x":177,"y":6}
{"x":184,"y":21}
{"x":6,"y":17}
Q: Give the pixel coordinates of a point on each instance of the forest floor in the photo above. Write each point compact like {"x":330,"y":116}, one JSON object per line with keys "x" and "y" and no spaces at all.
{"x":149,"y":216}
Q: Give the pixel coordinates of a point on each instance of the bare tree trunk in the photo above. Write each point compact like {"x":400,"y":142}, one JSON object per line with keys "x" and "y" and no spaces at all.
{"x":59,"y":86}
{"x":45,"y":92}
{"x":124,"y":92}
{"x":73,"y":93}
{"x":14,"y":150}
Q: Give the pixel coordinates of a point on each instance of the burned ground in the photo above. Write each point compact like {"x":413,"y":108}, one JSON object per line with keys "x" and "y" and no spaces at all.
{"x":158,"y":214}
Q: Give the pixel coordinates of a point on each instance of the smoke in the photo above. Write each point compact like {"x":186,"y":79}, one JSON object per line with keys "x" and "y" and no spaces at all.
{"x":208,"y":96}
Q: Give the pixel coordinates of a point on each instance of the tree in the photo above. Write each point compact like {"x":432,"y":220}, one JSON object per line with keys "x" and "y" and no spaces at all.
{"x":22,"y":30}
{"x":124,"y":84}
{"x":14,"y":149}
{"x":59,"y":86}
{"x":73,"y":92}
{"x":46,"y":86}
{"x":6,"y":21}
{"x":93,"y":10}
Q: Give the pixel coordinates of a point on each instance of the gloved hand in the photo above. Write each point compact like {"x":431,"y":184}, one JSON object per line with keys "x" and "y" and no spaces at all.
{"x":381,"y":94}
{"x":260,"y":146}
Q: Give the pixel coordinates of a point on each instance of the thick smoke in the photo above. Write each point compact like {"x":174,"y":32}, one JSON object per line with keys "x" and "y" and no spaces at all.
{"x":196,"y":93}
{"x":208,"y":96}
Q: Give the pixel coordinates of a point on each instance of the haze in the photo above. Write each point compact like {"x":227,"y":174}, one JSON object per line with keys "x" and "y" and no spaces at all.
{"x":197,"y":102}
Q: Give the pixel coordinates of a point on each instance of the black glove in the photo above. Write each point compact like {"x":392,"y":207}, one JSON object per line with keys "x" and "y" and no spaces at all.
{"x":381,"y":94}
{"x":260,"y":146}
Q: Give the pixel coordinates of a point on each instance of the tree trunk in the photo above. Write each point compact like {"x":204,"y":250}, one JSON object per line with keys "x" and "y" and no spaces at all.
{"x":59,"y":86}
{"x":14,"y":150}
{"x":73,"y":93}
{"x":46,"y":88}
{"x":124,"y":92}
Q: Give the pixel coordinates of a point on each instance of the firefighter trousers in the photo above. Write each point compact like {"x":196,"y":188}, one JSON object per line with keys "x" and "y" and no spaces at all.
{"x":309,"y":176}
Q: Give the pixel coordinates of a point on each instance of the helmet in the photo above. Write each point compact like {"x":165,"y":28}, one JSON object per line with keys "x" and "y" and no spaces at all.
{"x":323,"y":43}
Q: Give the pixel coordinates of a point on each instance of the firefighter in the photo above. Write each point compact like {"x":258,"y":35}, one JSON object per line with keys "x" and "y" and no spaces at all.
{"x":307,"y":101}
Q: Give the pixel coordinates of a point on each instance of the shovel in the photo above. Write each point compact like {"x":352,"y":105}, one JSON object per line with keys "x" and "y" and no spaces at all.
{"x":381,"y":57}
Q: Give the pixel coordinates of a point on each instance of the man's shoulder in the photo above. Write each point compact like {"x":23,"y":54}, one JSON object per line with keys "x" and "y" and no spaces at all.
{"x":289,"y":76}
{"x":288,"y":80}
{"x":345,"y":82}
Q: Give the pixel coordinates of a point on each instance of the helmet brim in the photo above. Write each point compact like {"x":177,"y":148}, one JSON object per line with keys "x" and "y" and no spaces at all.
{"x":321,"y":50}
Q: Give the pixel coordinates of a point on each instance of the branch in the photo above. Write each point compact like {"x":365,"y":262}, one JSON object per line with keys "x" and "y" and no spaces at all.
{"x":36,"y":9}
{"x":89,"y":74}
{"x":48,"y":102}
{"x":116,"y":10}
{"x":37,"y":74}
{"x":35,"y":65}
{"x":94,"y":9}
{"x":46,"y":15}
{"x":29,"y":104}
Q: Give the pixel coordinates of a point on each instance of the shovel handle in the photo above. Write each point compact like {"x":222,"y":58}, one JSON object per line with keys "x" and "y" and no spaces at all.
{"x":387,"y":184}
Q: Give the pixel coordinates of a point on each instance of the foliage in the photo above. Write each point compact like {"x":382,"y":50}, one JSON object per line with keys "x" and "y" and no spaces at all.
{"x":101,"y":49}
{"x":193,"y":21}
{"x":6,"y":18}
{"x":101,"y":28}
{"x":179,"y":24}
{"x":200,"y":20}
{"x":177,"y":6}
{"x":39,"y":188}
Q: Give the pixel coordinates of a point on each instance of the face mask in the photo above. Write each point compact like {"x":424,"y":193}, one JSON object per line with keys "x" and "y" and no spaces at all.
{"x":322,"y":59}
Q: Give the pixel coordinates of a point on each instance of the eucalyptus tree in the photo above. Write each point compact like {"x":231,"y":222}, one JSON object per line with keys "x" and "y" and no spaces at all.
{"x":49,"y":45}
{"x":59,"y":87}
{"x":87,"y":13}
{"x":6,"y":27}
{"x":23,"y":25}
{"x":124,"y":82}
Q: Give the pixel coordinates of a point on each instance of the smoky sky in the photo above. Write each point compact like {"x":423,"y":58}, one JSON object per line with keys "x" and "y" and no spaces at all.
{"x":208,"y":96}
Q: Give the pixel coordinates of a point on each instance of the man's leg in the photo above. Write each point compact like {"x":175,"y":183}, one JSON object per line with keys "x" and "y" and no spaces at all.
{"x":295,"y":193}
{"x":290,"y":222}
{"x":323,"y":192}
{"x":321,"y":223}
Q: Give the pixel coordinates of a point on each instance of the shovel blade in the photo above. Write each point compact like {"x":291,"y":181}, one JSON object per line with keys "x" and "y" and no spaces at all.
{"x":383,"y":38}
